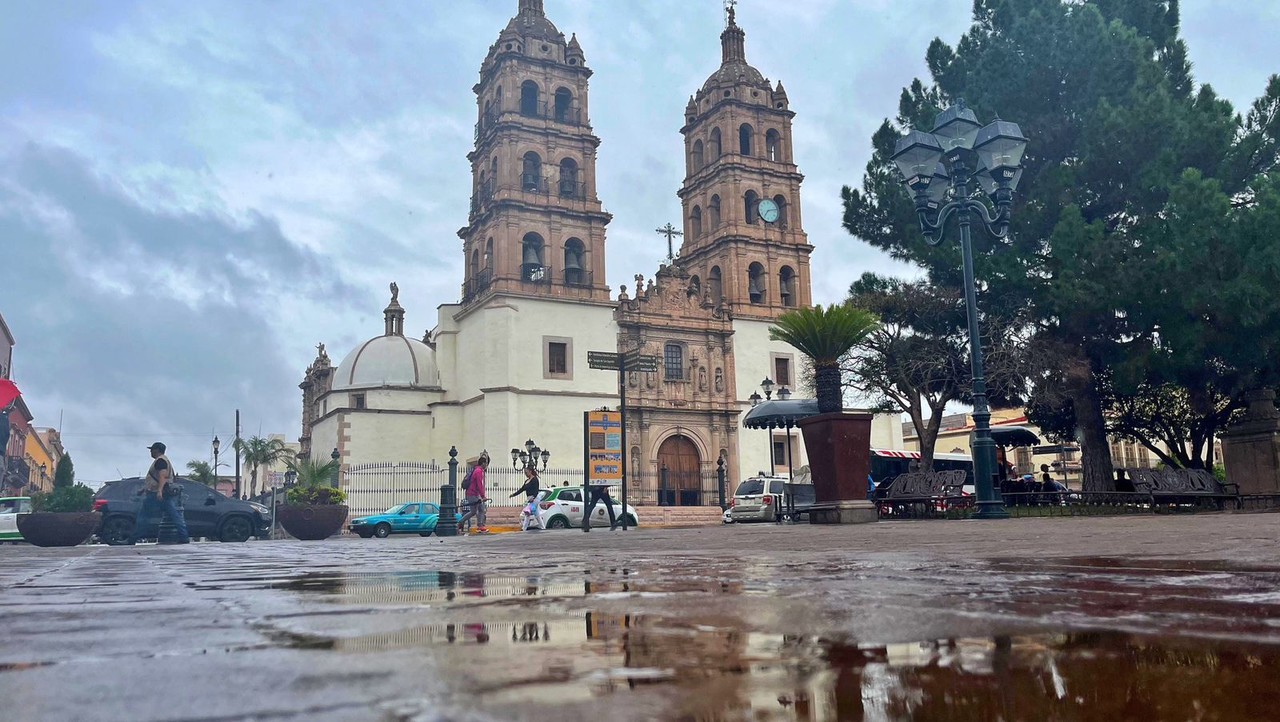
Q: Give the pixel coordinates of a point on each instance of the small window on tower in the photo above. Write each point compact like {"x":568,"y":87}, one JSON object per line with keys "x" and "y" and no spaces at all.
{"x":782,"y":371}
{"x":357,"y":401}
{"x":558,"y":358}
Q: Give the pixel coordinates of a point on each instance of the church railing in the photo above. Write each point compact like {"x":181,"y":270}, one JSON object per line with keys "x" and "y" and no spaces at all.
{"x":475,"y":286}
{"x":572,"y":189}
{"x":577,"y":277}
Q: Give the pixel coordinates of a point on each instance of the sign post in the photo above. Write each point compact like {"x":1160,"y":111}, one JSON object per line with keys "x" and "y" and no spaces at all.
{"x":610,"y":361}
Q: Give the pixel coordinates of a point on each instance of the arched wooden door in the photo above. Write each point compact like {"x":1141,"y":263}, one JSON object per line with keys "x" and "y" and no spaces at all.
{"x":680,"y":478}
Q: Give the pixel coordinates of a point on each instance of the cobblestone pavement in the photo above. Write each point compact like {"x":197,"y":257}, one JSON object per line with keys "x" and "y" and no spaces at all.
{"x":1103,"y":618}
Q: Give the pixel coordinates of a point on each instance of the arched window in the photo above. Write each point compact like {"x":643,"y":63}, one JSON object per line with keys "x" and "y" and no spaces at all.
{"x":569,"y":179}
{"x":715,"y":285}
{"x":773,"y":145}
{"x":673,"y":362}
{"x":781,"y":201}
{"x":493,"y":170}
{"x":787,"y":286}
{"x":531,"y":266}
{"x":745,"y":138}
{"x":488,"y":254}
{"x":713,"y":212}
{"x":756,"y":283}
{"x":751,"y":206}
{"x":575,"y":262}
{"x":695,"y":287}
{"x":696,"y":159}
{"x":695,"y":222}
{"x":713,"y":145}
{"x":487,"y":117}
{"x":564,"y":105}
{"x":474,"y":267}
{"x":497,"y":100}
{"x":529,"y":99}
{"x":531,"y":173}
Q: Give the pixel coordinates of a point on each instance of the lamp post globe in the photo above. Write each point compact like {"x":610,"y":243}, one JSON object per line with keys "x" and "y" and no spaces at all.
{"x":958,"y":162}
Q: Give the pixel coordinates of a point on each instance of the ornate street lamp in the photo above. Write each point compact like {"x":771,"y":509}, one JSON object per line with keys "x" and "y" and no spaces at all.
{"x":335,"y":456}
{"x":767,"y":385}
{"x":784,"y":393}
{"x":529,"y":456}
{"x":945,"y":166}
{"x":216,"y":445}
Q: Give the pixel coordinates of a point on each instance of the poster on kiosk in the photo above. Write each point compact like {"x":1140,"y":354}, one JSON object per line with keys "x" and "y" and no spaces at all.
{"x":604,"y":460}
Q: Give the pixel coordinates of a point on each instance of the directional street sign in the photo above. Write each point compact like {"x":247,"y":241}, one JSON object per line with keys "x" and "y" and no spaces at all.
{"x":638,"y":362}
{"x":603,"y":360}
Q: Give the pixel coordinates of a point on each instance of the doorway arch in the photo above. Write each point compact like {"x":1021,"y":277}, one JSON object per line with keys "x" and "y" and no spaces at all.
{"x":680,"y":472}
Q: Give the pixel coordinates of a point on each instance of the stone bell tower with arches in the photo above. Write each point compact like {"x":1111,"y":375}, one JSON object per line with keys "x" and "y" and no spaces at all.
{"x":744,"y":239}
{"x":536,"y":227}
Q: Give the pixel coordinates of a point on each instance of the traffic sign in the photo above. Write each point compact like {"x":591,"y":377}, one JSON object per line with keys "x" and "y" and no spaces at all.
{"x":603,"y":360}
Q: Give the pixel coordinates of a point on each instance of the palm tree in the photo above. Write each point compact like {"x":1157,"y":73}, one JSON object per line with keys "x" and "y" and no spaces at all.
{"x":202,"y":473}
{"x":824,"y":335}
{"x":312,"y":474}
{"x":257,"y":452}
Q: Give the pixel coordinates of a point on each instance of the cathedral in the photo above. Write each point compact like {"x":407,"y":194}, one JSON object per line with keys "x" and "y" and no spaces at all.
{"x":507,"y":361}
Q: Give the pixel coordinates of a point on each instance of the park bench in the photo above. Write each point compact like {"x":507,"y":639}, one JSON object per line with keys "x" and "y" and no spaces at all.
{"x":936,"y":490}
{"x":1183,"y":486}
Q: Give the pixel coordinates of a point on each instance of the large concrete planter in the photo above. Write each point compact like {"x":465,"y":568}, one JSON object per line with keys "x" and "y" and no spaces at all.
{"x":311,"y":523}
{"x":58,"y":529}
{"x":839,"y":449}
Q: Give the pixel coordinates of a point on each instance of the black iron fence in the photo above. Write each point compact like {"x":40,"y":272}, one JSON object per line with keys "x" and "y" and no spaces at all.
{"x":1074,"y":503}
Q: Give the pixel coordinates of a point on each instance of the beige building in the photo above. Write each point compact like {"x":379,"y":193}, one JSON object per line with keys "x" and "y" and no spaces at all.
{"x":508,"y":361}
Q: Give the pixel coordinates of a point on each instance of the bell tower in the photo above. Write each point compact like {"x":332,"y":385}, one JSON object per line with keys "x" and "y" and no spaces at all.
{"x":536,"y":227}
{"x":744,"y":238}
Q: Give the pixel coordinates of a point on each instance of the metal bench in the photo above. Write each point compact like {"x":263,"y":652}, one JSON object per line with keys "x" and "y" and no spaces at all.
{"x":1184,"y":486}
{"x":935,"y":490}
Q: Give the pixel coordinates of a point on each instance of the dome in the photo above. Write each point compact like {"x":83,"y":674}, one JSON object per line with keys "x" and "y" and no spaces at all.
{"x":388,"y":361}
{"x":735,"y":73}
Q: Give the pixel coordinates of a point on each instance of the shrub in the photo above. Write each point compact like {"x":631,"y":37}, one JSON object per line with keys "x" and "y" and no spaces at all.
{"x":74,"y":498}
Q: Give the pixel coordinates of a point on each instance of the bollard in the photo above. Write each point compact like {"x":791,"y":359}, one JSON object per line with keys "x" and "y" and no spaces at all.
{"x":168,"y":533}
{"x":720,"y":480}
{"x":447,"y":524}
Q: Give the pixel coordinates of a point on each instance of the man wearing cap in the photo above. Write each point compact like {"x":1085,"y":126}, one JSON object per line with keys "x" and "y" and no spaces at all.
{"x":154,"y":499}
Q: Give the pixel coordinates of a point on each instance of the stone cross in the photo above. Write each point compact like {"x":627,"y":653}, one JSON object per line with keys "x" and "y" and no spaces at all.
{"x":670,"y":232}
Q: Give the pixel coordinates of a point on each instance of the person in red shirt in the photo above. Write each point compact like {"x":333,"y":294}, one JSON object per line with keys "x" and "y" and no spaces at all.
{"x":475,"y":499}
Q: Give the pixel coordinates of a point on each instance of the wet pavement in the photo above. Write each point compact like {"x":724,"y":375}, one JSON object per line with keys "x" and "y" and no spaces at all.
{"x":1166,"y":618}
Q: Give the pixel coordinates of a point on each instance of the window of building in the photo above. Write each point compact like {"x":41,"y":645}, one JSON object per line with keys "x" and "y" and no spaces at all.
{"x":673,"y":361}
{"x":695,"y":222}
{"x":696,"y":158}
{"x":787,"y":286}
{"x":531,"y":174}
{"x":782,"y":371}
{"x":488,"y":253}
{"x":745,"y":138}
{"x":564,"y":105}
{"x":751,"y":206}
{"x":781,"y":202}
{"x":779,"y":452}
{"x":715,"y":285}
{"x":713,"y":145}
{"x":557,"y":357}
{"x":531,"y":266}
{"x":357,"y":401}
{"x":773,"y":145}
{"x":574,"y":262}
{"x":756,"y":283}
{"x":713,"y":212}
{"x":529,"y":99}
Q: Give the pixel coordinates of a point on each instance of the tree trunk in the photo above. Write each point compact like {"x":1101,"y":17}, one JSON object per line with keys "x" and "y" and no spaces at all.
{"x":827,"y":380}
{"x":1095,"y":449}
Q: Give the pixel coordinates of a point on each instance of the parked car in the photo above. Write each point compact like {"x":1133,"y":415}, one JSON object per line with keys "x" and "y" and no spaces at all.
{"x":415,"y":517}
{"x":209,"y":514}
{"x":759,"y":498}
{"x":563,"y":506}
{"x":10,"y":508}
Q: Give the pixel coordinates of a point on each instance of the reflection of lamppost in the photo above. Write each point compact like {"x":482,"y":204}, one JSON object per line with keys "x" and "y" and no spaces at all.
{"x":942,"y":166}
{"x":335,"y":456}
{"x":529,"y":457}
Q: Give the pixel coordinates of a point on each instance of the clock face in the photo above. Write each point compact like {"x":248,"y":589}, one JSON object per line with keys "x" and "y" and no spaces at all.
{"x":768,"y":211}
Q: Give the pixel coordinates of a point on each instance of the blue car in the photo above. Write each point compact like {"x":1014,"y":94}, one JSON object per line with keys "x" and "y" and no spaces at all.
{"x":415,"y":517}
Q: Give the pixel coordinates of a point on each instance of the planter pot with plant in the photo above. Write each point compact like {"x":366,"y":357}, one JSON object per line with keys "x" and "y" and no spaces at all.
{"x":63,"y":517}
{"x":314,"y":509}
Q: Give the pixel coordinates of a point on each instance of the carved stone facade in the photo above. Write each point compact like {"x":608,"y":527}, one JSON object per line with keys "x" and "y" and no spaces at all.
{"x":536,"y":227}
{"x":690,"y":404}
{"x":316,"y":383}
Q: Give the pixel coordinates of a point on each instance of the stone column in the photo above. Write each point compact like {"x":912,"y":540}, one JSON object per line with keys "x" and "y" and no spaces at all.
{"x":1251,"y":449}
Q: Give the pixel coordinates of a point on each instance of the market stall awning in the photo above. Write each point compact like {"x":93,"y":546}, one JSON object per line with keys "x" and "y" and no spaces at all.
{"x":780,"y":414}
{"x":1014,"y":436}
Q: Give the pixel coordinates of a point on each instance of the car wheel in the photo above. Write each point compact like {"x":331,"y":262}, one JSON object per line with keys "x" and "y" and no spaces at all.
{"x":382,"y":531}
{"x":235,"y":530}
{"x":426,"y":533}
{"x":116,"y":530}
{"x":558,"y":522}
{"x":631,"y":521}
{"x":365,"y":534}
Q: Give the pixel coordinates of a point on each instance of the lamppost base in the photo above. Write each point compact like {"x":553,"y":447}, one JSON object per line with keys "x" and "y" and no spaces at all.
{"x":991,"y":510}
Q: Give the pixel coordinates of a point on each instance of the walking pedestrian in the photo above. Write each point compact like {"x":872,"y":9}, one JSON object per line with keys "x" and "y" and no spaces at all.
{"x":599,"y":493}
{"x":533,"y":495}
{"x":475,"y":500}
{"x":159,"y":496}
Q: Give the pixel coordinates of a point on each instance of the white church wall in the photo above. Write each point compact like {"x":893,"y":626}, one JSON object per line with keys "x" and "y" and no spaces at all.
{"x":753,"y":353}
{"x":324,"y":438}
{"x":388,"y":437}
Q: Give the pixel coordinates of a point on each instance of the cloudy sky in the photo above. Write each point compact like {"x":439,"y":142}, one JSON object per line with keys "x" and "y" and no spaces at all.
{"x":193,"y":194}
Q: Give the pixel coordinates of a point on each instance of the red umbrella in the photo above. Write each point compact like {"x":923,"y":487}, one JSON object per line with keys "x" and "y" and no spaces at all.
{"x":8,"y":392}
